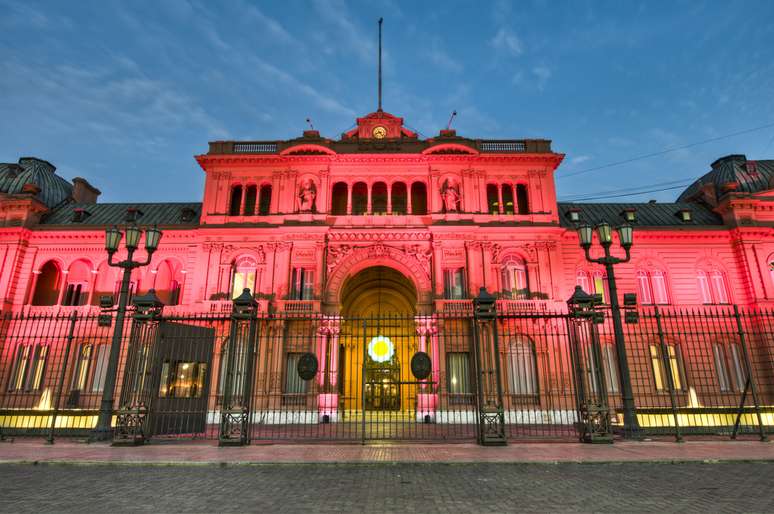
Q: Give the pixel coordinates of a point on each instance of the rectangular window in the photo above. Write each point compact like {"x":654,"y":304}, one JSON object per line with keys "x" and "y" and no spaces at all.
{"x":643,"y":286}
{"x":600,"y":287}
{"x":182,"y":379}
{"x":721,"y":367}
{"x":100,"y":368}
{"x":458,"y":373}
{"x":675,"y":364}
{"x":582,"y":280}
{"x":302,"y":287}
{"x":294,"y":384}
{"x":719,"y":287}
{"x":658,"y":280}
{"x":737,"y":364}
{"x":610,"y":367}
{"x":20,"y":363}
{"x":704,"y":288}
{"x":521,"y":369}
{"x":242,"y":280}
{"x":29,"y":368}
{"x":454,"y":284}
{"x":81,"y":373}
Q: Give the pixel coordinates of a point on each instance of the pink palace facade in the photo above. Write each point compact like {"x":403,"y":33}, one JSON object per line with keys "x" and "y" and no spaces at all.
{"x":376,"y":223}
{"x":296,"y":221}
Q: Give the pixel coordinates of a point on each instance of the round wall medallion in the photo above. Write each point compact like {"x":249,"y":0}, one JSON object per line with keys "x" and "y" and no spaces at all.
{"x":421,"y":365}
{"x":307,"y":366}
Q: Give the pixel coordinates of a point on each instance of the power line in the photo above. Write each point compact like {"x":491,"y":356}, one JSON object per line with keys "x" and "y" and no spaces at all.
{"x":631,"y":188}
{"x":665,"y":151}
{"x":628,"y":194}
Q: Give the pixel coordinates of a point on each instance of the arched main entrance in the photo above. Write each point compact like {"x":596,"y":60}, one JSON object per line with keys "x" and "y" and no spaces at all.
{"x":378,"y":305}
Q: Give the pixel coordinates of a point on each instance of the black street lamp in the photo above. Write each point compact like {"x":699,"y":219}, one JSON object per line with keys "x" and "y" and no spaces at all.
{"x":605,"y":235}
{"x":112,"y":239}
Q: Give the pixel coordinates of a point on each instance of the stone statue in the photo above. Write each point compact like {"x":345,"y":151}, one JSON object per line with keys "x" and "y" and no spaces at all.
{"x":307,"y":192}
{"x":450,"y":192}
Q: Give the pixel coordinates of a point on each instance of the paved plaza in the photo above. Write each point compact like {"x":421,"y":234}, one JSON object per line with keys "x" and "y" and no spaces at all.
{"x":383,"y":487}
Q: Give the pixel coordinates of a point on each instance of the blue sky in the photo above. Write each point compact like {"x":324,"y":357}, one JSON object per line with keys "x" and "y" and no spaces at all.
{"x":125,"y":93}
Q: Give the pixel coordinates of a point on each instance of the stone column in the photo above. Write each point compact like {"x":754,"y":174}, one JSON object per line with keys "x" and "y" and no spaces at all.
{"x":500,"y":198}
{"x":389,"y":199}
{"x":349,"y":198}
{"x":368,"y":203}
{"x":437,"y":269}
{"x":427,"y":397}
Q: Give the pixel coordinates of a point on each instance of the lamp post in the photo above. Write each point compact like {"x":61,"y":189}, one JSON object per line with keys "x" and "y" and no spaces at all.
{"x":605,"y":235}
{"x":112,"y":239}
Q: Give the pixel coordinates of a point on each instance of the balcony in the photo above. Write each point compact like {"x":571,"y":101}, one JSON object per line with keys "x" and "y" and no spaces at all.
{"x":298,"y":306}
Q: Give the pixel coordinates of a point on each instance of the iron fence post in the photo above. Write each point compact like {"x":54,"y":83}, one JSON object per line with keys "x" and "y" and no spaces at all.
{"x":491,"y":415}
{"x":235,"y":418}
{"x":750,"y":378}
{"x":669,"y":374}
{"x":60,"y":385}
{"x":363,"y":384}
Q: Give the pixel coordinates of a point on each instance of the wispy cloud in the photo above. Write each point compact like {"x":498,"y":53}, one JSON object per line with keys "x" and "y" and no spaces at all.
{"x":506,"y":41}
{"x":580,"y":159}
{"x":438,"y":56}
{"x":344,"y":28}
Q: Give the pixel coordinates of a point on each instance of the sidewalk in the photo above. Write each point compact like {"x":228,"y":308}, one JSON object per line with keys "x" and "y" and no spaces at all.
{"x":202,"y":453}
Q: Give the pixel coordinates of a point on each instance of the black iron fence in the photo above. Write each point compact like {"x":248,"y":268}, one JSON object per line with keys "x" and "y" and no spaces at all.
{"x":486,"y":376}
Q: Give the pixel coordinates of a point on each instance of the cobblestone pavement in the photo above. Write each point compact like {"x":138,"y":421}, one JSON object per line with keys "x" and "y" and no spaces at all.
{"x":374,"y":488}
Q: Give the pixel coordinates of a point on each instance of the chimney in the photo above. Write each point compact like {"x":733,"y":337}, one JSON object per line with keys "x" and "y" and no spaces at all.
{"x":83,"y":192}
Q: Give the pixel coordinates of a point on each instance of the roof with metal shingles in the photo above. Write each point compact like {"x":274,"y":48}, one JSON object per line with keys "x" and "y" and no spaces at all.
{"x":166,"y":214}
{"x":647,"y":214}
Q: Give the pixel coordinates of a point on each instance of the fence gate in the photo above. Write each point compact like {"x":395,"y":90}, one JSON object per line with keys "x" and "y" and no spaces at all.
{"x":166,"y":380}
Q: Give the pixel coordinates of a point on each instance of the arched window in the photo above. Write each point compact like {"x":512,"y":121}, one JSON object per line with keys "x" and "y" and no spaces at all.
{"x":251,"y":194}
{"x":582,"y":280}
{"x":47,"y":285}
{"x":712,"y":286}
{"x":77,"y":284}
{"x":521,"y":367}
{"x":399,"y":198}
{"x":508,"y":206}
{"x":514,"y":280}
{"x":379,"y":198}
{"x":492,"y":199}
{"x":243,"y":275}
{"x":168,"y":282}
{"x":264,"y":200}
{"x":236,"y":201}
{"x":359,"y":198}
{"x":339,"y":199}
{"x":522,"y":199}
{"x":418,"y":198}
{"x":652,"y":287}
{"x":609,"y":366}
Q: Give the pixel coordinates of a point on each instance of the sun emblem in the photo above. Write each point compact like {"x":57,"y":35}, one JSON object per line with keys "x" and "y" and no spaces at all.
{"x":381,"y":349}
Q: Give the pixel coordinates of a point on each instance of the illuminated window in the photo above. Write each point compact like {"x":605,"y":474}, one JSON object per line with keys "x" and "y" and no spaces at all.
{"x":652,"y":287}
{"x":454,"y":284}
{"x":294,"y":384}
{"x":522,"y":376}
{"x":458,"y":373}
{"x":29,"y":368}
{"x":600,"y":285}
{"x":676,"y":365}
{"x":514,"y":277}
{"x":728,"y":364}
{"x":243,"y":276}
{"x":82,"y":365}
{"x":492,"y":199}
{"x":182,"y":379}
{"x":302,"y":287}
{"x":508,"y":206}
